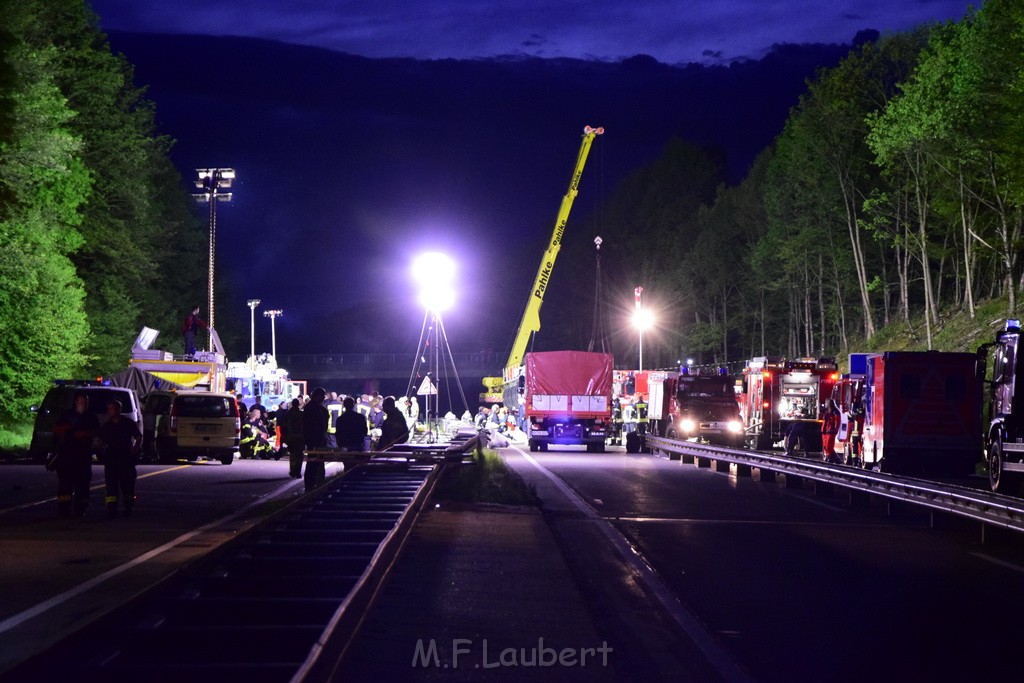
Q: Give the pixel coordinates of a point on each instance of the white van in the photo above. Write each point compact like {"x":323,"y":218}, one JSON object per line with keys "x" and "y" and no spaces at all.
{"x":202,"y":423}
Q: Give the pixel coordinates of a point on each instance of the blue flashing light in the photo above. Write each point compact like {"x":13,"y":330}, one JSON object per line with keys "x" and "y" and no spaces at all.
{"x":1013,"y":324}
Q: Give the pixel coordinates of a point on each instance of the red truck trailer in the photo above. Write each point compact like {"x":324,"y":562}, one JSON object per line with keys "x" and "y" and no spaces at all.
{"x":568,"y":398}
{"x":922,"y":413}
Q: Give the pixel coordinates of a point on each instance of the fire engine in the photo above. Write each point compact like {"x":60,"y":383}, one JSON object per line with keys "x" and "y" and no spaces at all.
{"x":782,"y":394}
{"x":696,"y":405}
{"x":1004,"y":437}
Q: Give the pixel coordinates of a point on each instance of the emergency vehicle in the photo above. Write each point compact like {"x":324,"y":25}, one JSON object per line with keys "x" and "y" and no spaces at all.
{"x":922,"y":412}
{"x":697,"y":405}
{"x":1004,"y":436}
{"x":782,"y":394}
{"x":260,"y":376}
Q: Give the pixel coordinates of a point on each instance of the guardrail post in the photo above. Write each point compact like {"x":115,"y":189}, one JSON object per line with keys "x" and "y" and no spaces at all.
{"x":744,"y":470}
{"x":766,"y":476}
{"x":859,"y":500}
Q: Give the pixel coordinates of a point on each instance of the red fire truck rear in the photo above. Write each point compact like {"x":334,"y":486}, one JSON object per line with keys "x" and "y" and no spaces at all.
{"x":784,"y":396}
{"x":922,"y":413}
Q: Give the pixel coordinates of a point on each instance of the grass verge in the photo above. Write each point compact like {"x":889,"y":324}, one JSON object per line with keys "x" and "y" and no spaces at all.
{"x":486,"y":479}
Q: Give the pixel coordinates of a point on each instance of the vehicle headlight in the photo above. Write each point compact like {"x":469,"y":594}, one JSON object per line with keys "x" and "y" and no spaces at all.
{"x":734,"y":426}
{"x":688,"y":425}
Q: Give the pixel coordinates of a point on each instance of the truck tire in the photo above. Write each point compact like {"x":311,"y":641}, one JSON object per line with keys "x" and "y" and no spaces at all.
{"x":227,"y":458}
{"x":999,"y":479}
{"x":533,"y":446}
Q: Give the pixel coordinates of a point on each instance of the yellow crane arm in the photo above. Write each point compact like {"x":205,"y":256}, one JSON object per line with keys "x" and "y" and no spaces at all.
{"x":531,"y":316}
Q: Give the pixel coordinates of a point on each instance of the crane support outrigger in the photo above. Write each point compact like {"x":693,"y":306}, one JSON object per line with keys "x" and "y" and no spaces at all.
{"x":531,"y":316}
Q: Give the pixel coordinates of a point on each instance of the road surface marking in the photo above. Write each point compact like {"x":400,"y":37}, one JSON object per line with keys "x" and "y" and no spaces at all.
{"x":20,"y":618}
{"x":717,"y":656}
{"x":92,"y":487}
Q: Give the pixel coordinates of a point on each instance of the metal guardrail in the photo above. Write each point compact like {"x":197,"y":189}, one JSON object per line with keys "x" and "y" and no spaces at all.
{"x":983,"y":506}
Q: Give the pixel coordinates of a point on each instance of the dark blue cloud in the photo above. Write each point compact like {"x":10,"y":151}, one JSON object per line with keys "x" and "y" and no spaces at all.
{"x":671,"y":31}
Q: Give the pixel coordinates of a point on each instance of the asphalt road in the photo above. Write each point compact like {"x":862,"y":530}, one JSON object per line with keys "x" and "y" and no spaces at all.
{"x":59,"y":573}
{"x":801,"y":588}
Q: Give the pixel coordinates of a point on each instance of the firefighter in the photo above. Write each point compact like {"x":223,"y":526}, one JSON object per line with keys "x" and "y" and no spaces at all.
{"x":74,"y":432}
{"x":640,"y":410}
{"x":122,"y":440}
{"x":255,"y":443}
{"x":829,"y":429}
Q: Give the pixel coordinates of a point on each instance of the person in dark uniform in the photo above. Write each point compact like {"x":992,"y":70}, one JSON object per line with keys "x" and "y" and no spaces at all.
{"x":395,"y":429}
{"x":189,"y":327}
{"x":74,"y":432}
{"x":350,"y":428}
{"x":122,"y":440}
{"x":314,"y":436}
{"x":291,"y":434}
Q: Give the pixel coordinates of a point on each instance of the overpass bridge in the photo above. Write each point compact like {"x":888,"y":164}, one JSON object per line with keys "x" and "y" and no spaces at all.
{"x":334,"y":369}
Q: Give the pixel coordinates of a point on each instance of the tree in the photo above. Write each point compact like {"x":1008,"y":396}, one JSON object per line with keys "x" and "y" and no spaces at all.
{"x":43,"y":185}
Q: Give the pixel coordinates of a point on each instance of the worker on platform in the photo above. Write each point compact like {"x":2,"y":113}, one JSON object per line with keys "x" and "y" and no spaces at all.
{"x":189,"y":327}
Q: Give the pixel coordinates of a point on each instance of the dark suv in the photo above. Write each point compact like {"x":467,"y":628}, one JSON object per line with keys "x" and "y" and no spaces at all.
{"x":60,"y":398}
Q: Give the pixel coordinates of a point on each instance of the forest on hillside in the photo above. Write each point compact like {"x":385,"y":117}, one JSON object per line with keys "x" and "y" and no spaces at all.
{"x":895,"y":192}
{"x":98,"y":232}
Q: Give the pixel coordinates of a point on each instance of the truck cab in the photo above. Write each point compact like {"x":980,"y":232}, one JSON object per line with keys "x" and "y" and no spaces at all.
{"x":1004,"y":439}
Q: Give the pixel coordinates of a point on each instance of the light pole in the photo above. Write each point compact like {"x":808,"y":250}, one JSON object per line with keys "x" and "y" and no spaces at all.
{"x":214,"y":183}
{"x":434,"y":273}
{"x":642,"y":320}
{"x":253,"y":303}
{"x":272,"y":314}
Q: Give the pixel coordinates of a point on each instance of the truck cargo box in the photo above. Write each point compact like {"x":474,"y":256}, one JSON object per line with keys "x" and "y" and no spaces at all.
{"x":575,"y":383}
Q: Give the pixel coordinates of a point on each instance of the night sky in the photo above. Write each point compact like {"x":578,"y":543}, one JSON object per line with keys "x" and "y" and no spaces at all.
{"x":351,"y":164}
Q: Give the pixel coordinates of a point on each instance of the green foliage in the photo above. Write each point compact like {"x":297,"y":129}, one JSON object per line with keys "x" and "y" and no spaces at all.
{"x":98,"y":233}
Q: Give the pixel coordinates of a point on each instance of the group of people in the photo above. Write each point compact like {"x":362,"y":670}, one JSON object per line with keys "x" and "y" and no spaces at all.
{"x":324,"y":421}
{"x":74,"y":433}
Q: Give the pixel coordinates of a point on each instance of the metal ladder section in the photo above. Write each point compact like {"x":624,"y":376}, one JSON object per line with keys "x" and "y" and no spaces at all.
{"x":255,"y":612}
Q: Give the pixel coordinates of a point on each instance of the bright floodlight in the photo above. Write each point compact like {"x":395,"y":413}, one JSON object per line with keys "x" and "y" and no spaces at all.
{"x":434,"y":272}
{"x":433,"y":268}
{"x":643,"y":319}
{"x":437,"y":297}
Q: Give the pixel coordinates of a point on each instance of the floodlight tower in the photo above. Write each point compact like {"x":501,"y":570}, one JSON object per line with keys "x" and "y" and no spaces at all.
{"x":213,"y":183}
{"x":273,"y":313}
{"x":253,"y":303}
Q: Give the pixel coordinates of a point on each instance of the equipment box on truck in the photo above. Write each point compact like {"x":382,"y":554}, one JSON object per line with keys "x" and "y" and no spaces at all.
{"x":922,"y":413}
{"x":567,"y":398}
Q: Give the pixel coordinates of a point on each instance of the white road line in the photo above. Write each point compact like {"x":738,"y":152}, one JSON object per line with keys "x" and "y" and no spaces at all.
{"x":718,"y":657}
{"x":32,"y":612}
{"x":92,"y":487}
{"x":1002,"y":563}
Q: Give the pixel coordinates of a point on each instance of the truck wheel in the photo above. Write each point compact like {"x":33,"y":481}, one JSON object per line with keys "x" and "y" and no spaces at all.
{"x":227,"y":458}
{"x":533,"y":446}
{"x":543,"y":446}
{"x":999,"y":479}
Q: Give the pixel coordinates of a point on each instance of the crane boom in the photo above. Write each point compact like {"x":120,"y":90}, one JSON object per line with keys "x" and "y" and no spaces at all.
{"x":531,"y":316}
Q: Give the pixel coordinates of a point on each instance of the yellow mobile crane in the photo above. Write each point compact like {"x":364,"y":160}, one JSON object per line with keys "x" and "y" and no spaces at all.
{"x":531,"y":316}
